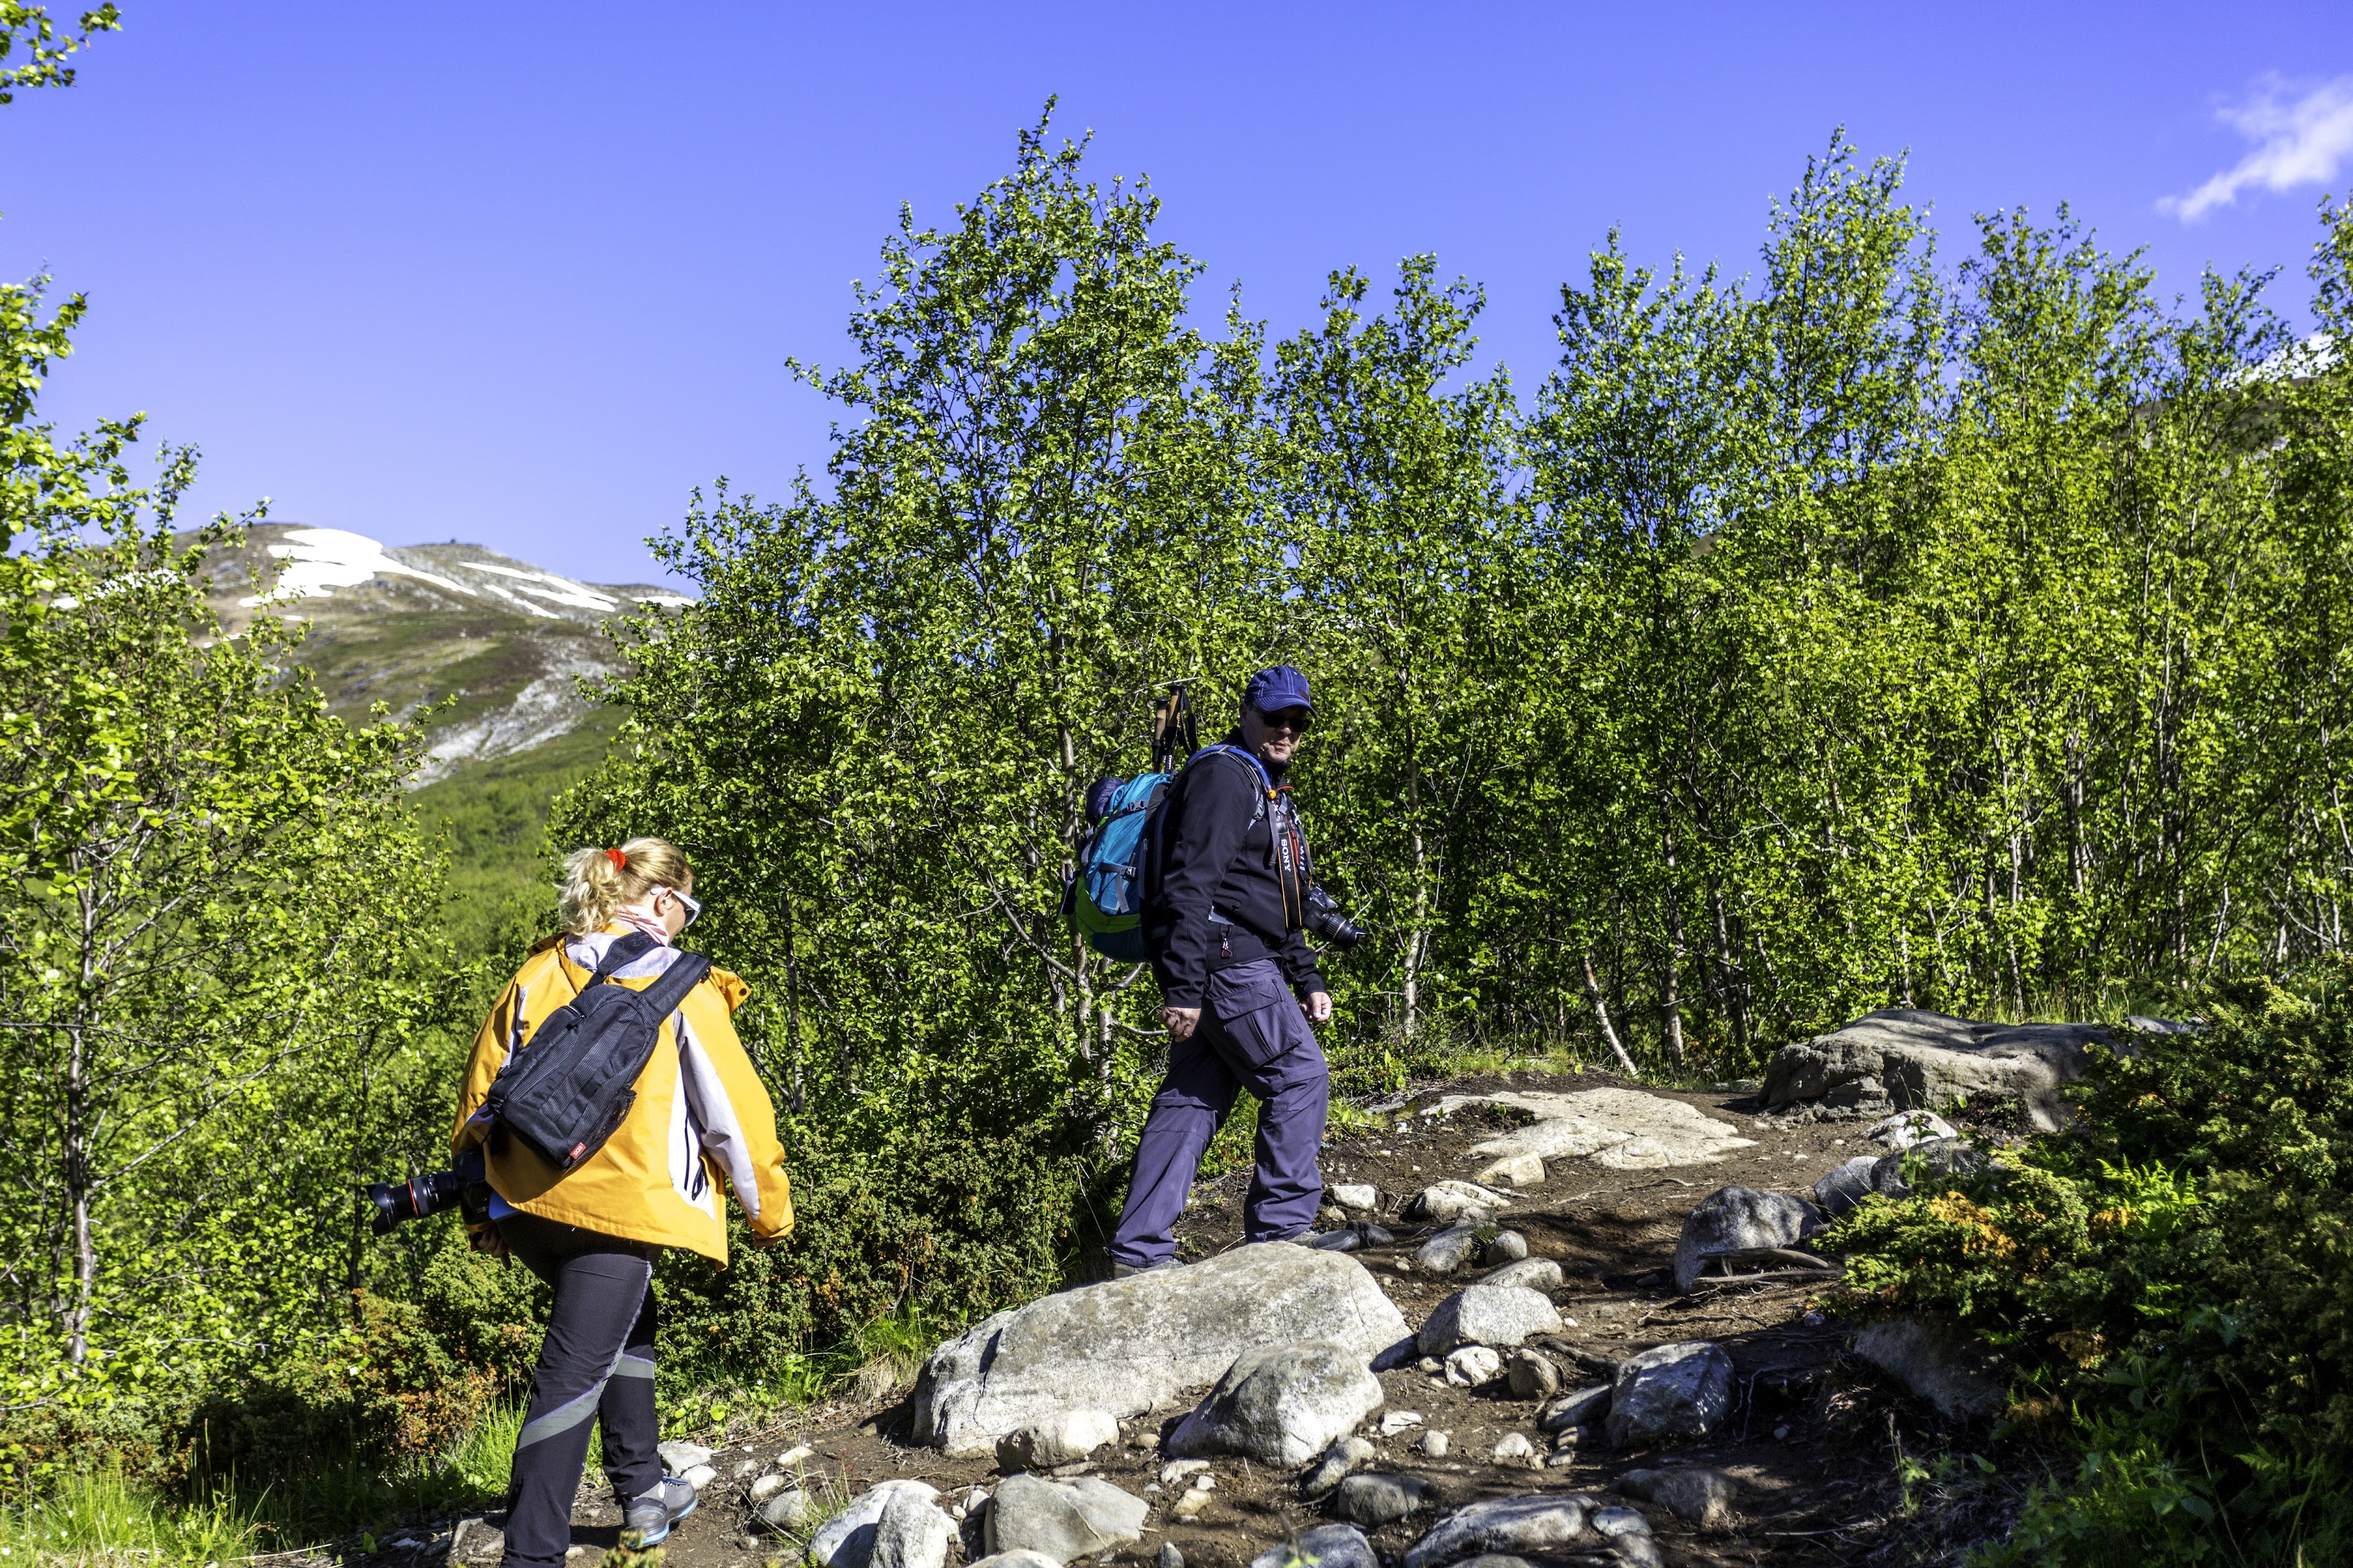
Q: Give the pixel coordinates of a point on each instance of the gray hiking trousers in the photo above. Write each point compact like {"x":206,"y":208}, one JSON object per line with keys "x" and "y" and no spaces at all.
{"x":595,"y":1364}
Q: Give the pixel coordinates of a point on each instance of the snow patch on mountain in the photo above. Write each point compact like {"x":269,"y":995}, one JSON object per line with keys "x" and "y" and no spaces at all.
{"x":320,"y":560}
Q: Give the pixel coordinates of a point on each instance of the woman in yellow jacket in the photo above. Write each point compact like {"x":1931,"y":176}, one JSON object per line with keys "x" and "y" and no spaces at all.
{"x":701,"y":1118}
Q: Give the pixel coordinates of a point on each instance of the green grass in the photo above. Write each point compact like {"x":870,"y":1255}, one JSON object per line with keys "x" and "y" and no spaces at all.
{"x":108,"y":1519}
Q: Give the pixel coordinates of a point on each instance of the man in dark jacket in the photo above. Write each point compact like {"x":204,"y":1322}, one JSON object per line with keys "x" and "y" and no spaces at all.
{"x":1238,"y":985}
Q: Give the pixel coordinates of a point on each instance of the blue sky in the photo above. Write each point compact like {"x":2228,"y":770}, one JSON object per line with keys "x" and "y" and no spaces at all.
{"x":526,"y":274}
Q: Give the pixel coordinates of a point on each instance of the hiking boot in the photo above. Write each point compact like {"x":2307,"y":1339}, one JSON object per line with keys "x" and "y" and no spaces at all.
{"x":1130,"y":1270}
{"x":651,"y":1513}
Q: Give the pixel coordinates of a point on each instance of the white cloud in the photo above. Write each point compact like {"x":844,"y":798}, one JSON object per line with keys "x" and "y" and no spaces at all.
{"x":2298,"y":142}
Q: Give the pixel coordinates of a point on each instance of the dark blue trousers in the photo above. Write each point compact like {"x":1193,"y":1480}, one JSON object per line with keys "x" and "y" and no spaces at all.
{"x":1251,"y":1035}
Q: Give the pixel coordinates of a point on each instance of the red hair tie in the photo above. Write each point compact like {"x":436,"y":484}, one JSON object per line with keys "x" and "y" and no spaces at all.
{"x":620,"y":861}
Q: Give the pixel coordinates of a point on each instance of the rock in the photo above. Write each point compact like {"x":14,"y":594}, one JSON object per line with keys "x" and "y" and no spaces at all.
{"x":1514,"y":1447}
{"x":1374,"y":1500}
{"x":1473,"y":1366}
{"x":786,"y":1509}
{"x":1622,"y":1129}
{"x":1669,"y":1391}
{"x":798,"y":1453}
{"x":1731,"y":1218}
{"x":1845,"y":1187}
{"x":699,"y":1476}
{"x":2142,"y":1024}
{"x":1168,"y":1556}
{"x":1177,"y":1470}
{"x":1344,"y":1458}
{"x":1499,"y":1315}
{"x":1905,"y":1128}
{"x":1128,"y":1345}
{"x":1495,"y":1560}
{"x":1325,"y":1546}
{"x":1509,"y":1246}
{"x":1434,"y":1445}
{"x":1448,"y":1250}
{"x":1581,"y":1407}
{"x":1532,"y":1375}
{"x":1063,"y":1519}
{"x":1447,"y":1202}
{"x":1395,"y":1421}
{"x":1902,"y":1059}
{"x":1281,"y":1405}
{"x":1535,"y":1523}
{"x":1402,"y":1354}
{"x":911,"y":1534}
{"x":1514,"y":1170}
{"x":1062,"y":1439}
{"x":1529,"y":1273}
{"x":1935,"y":1362}
{"x":1027,"y":1559}
{"x":1190,"y":1506}
{"x":1700,"y":1498}
{"x":1933,"y":1157}
{"x":677,"y":1457}
{"x":1618,"y":1522}
{"x":847,"y":1540}
{"x":1362,"y":1196}
{"x":767,"y":1487}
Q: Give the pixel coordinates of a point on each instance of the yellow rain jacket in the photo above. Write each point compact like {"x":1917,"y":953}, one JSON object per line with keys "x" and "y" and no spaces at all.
{"x":700,"y":1115}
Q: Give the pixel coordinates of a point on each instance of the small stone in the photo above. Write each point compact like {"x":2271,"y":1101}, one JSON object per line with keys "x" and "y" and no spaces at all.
{"x":1514,"y":1447}
{"x":1434,"y":1445}
{"x":1447,"y":1251}
{"x":1473,"y":1366}
{"x":767,"y":1487}
{"x":797,"y":1453}
{"x":1326,"y":1546}
{"x":747,"y":1469}
{"x":1669,"y":1391}
{"x":1177,"y":1470}
{"x":1361,"y":1196}
{"x":678,"y":1456}
{"x":786,"y":1509}
{"x":851,"y":1535}
{"x":1734,"y":1218}
{"x":1619,"y":1522}
{"x":1700,"y":1498}
{"x":1781,"y":1434}
{"x":1498,"y":1315}
{"x":1532,"y":1377}
{"x":1330,"y":1213}
{"x":1579,"y":1407}
{"x":1204,"y":1482}
{"x":1345,"y":1456}
{"x":1395,"y":1421}
{"x":1509,"y":1246}
{"x":1063,"y":1438}
{"x":1169,"y":1557}
{"x":1514,"y":1169}
{"x":1569,"y":1437}
{"x":1281,"y":1404}
{"x":1560,"y":1458}
{"x":1431,"y":1366}
{"x":1529,"y":1274}
{"x":1065,"y":1519}
{"x":1444,"y":1202}
{"x":1374,"y":1500}
{"x":1189,"y":1506}
{"x":912,"y":1533}
{"x":699,"y":1476}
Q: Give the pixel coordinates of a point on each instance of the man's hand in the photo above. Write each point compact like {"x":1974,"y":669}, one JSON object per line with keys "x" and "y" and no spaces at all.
{"x":487,"y":1240}
{"x":1180,"y":1022}
{"x":1318,"y":1007}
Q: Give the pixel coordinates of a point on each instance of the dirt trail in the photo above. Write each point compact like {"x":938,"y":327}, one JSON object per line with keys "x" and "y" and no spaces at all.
{"x":1807,"y":1440}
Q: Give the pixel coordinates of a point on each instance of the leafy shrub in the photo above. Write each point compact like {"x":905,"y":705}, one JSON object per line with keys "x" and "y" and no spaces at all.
{"x":2170,"y":1282}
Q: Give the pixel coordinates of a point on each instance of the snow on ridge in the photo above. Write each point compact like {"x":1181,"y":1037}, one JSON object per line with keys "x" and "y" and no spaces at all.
{"x":320,"y":560}
{"x":548,"y":585}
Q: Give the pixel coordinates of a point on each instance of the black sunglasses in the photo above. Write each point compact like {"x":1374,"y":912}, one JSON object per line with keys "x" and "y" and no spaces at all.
{"x":1295,"y":718}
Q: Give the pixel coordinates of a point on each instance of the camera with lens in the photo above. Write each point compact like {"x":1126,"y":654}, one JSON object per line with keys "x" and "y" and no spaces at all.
{"x":466,"y":1187}
{"x":1324,"y":919}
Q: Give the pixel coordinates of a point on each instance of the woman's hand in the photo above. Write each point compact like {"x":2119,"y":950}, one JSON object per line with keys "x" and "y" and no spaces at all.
{"x":486,"y":1239}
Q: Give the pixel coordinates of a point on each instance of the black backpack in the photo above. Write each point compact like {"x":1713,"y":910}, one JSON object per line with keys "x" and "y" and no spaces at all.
{"x":572,"y":1086}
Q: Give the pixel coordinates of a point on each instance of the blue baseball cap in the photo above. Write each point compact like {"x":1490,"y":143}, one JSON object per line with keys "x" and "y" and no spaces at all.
{"x":1273,"y":690}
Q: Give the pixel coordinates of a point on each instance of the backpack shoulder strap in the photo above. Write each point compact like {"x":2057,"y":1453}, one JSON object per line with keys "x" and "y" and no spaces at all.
{"x":1257,"y":768}
{"x":669,"y":992}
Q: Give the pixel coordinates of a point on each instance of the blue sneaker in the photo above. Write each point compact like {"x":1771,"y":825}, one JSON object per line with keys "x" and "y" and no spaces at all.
{"x":650,"y":1515}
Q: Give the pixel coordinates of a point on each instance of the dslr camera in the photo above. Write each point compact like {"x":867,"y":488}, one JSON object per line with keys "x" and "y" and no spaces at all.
{"x":466,"y":1187}
{"x":1324,"y":918}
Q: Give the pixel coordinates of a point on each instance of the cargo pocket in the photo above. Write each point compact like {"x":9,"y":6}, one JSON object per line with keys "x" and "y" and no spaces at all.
{"x":1245,"y":1001}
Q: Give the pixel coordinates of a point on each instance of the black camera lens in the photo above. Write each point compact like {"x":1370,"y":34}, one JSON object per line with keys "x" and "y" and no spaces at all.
{"x":1324,"y":919}
{"x":412,"y":1199}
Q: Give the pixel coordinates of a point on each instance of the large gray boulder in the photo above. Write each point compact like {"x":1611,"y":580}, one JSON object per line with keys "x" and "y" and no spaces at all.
{"x":1700,"y":1498}
{"x":1325,"y":1546}
{"x":1530,"y":1522}
{"x":1731,"y":1218}
{"x":1499,"y":1315}
{"x":1281,"y":1405}
{"x":1129,"y":1345}
{"x":1063,"y":1518}
{"x":1534,"y":1273}
{"x":1667,"y":1392}
{"x":1903,"y":1060}
{"x":1839,"y":1192}
{"x":1935,"y":1362}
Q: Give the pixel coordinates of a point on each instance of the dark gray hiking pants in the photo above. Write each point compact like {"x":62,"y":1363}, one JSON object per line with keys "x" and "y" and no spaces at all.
{"x":1251,"y":1035}
{"x":597,"y":1365}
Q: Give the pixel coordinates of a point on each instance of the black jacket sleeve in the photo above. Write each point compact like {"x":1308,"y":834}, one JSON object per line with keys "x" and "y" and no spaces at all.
{"x":1207,"y":819}
{"x":1299,"y":967}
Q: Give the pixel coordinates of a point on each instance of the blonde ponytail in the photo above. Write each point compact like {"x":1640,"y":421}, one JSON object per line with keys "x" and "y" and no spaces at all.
{"x":599,"y":882}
